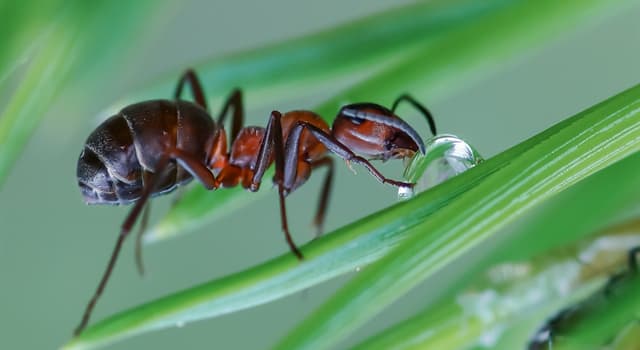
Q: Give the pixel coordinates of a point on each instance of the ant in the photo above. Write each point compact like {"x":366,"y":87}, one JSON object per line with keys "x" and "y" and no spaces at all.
{"x":152,"y":147}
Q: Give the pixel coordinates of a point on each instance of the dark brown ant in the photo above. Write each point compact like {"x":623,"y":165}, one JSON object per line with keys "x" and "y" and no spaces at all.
{"x":152,"y":147}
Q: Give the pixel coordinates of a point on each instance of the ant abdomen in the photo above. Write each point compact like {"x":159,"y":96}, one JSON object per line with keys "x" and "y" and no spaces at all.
{"x":111,"y":167}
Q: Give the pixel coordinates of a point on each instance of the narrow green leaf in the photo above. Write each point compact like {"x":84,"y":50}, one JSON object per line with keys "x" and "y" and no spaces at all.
{"x":434,"y":68}
{"x":563,"y":151}
{"x":450,"y":324}
{"x":594,"y":139}
{"x":45,"y":75}
{"x":59,"y":42}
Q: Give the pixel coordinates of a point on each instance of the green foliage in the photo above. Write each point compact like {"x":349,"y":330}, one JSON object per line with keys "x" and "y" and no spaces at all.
{"x":50,"y":45}
{"x":403,"y":245}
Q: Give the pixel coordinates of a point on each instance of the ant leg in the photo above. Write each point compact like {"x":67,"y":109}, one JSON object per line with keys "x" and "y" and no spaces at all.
{"x":141,"y":229}
{"x":336,"y":147}
{"x":272,"y":144}
{"x":195,"y":167}
{"x":190,"y":76}
{"x":318,"y":221}
{"x":146,"y":178}
{"x":417,"y":105}
{"x":189,"y":163}
{"x":234,"y":101}
{"x":124,"y":232}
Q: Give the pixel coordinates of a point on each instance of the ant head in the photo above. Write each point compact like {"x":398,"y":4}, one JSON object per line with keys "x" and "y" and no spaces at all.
{"x":374,"y":131}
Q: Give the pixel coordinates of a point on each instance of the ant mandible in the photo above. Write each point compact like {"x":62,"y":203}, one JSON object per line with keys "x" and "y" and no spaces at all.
{"x":152,"y":147}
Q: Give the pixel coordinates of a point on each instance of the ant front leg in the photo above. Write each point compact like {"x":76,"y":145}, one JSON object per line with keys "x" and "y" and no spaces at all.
{"x":333,"y":145}
{"x":417,"y":105}
{"x":272,"y":145}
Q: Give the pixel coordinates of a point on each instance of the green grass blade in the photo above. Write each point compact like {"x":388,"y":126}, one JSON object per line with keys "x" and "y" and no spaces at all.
{"x":450,"y":324}
{"x":476,"y":47}
{"x":594,"y":139}
{"x":45,"y":75}
{"x":71,"y":40}
{"x":613,"y":126}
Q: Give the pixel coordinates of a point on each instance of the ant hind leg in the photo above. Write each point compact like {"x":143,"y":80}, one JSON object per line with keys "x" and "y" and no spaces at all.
{"x":190,"y":77}
{"x":233,"y":101}
{"x":139,"y":236}
{"x":127,"y":225}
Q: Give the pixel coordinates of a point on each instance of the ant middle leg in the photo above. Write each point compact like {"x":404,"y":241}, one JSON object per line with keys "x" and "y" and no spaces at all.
{"x":272,"y":145}
{"x":417,"y":105}
{"x":318,"y":220}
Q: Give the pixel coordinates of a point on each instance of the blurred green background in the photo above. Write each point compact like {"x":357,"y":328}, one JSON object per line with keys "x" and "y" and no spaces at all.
{"x":53,"y":248}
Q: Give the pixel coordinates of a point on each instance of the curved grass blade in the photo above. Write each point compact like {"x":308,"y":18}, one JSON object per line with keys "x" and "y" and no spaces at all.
{"x":564,"y":150}
{"x":594,"y":139}
{"x":460,"y":322}
{"x":45,"y":75}
{"x":62,"y":43}
{"x":475,"y":48}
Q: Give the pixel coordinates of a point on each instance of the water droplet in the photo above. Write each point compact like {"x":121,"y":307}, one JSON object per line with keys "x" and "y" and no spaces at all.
{"x":358,"y":268}
{"x":180,"y":324}
{"x":405,"y":193}
{"x":445,"y":157}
